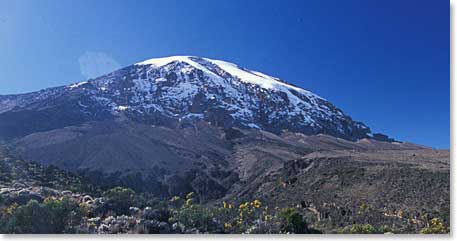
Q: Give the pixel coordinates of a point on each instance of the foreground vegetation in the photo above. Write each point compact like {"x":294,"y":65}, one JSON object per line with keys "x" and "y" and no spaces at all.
{"x":37,"y":199}
{"x":121,"y":210}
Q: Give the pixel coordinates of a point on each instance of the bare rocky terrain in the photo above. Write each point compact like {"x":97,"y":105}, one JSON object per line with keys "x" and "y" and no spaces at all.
{"x":208,"y":160}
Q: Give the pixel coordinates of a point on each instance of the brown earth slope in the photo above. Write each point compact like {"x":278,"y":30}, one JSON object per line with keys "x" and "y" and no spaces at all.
{"x":334,"y":189}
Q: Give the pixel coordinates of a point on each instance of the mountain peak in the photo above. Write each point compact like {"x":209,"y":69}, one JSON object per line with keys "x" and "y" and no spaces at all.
{"x":159,"y":62}
{"x":248,"y":76}
{"x":180,"y":90}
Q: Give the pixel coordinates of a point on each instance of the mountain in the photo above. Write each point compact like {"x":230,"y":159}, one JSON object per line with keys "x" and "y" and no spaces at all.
{"x":178,"y":91}
{"x":176,"y":125}
{"x":179,"y":124}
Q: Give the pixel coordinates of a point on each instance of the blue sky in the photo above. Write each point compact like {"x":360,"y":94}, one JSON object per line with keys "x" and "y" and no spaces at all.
{"x":385,"y":63}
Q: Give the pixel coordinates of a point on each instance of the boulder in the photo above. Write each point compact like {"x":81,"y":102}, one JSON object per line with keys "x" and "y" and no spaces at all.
{"x":103,"y":228}
{"x":67,"y":192}
{"x":96,"y":220}
{"x":87,"y":198}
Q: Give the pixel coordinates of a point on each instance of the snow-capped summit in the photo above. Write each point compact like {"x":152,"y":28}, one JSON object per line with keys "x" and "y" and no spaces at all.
{"x":244,"y":75}
{"x":179,"y":90}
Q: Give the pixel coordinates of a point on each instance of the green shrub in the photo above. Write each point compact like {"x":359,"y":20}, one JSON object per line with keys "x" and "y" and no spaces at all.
{"x":363,"y":229}
{"x":190,"y":215}
{"x":119,"y":200}
{"x":51,"y":216}
{"x":247,"y":217}
{"x":292,"y":221}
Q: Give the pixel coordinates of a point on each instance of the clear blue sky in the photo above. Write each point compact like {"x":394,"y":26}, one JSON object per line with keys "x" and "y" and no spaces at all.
{"x":385,"y":63}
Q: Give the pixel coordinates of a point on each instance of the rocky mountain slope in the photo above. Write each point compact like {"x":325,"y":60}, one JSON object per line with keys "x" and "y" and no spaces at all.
{"x":168,"y":161}
{"x":22,"y":181}
{"x":177,"y":91}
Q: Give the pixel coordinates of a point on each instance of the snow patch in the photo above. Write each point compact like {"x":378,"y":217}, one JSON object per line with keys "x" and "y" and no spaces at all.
{"x":161,"y":79}
{"x":252,"y":125}
{"x":77,"y":85}
{"x":122,"y":107}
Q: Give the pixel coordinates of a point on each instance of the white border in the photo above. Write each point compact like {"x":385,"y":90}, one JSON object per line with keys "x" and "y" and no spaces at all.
{"x":171,"y":237}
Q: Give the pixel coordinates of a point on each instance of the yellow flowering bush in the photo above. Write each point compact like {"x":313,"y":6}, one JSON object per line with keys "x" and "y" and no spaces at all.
{"x":436,"y":227}
{"x":256,"y":204}
{"x":245,"y":217}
